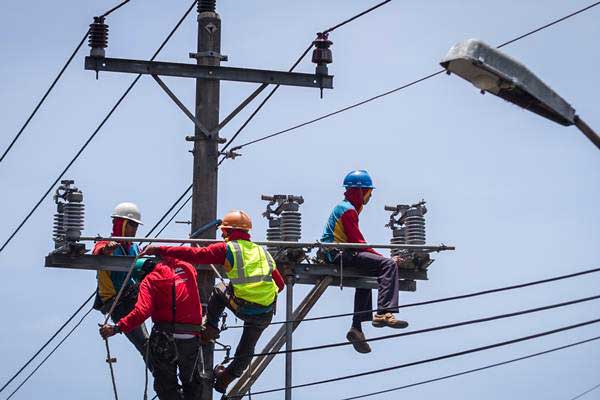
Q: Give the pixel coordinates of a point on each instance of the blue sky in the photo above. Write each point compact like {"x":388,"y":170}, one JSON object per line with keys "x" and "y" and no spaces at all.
{"x":518,"y":195}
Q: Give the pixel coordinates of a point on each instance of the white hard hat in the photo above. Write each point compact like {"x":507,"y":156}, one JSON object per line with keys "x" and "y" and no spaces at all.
{"x":128,"y":211}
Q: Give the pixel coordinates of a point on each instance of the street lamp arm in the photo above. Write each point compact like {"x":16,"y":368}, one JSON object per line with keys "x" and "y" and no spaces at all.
{"x":587,"y":131}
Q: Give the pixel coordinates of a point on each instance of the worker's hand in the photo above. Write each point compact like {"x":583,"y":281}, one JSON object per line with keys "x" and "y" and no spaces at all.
{"x":149,"y":251}
{"x":400,"y":260}
{"x":421,"y":259}
{"x":107,"y":331}
{"x":108,"y":249}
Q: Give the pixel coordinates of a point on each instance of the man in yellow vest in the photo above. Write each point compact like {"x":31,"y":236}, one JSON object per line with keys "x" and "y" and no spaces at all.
{"x":254,"y":282}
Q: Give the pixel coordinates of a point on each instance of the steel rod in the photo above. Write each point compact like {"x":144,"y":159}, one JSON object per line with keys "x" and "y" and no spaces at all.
{"x":259,"y":364}
{"x":289,"y":329}
{"x":181,"y":106}
{"x":242,"y":105}
{"x":426,"y":248}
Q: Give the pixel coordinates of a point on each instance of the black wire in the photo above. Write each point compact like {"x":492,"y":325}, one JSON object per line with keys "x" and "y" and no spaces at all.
{"x":52,"y":352}
{"x":429,"y":360}
{"x":56,"y":79}
{"x":260,"y":106}
{"x":39,"y":104}
{"x":95,"y":131}
{"x":173,"y":216}
{"x":169,"y":210}
{"x":549,"y":24}
{"x":115,"y":8}
{"x":48,"y":341}
{"x":406,"y":85}
{"x":432,"y":329}
{"x":586,"y":392}
{"x":443,"y":299}
{"x":290,"y":70}
{"x":340,"y":110}
{"x":355,"y":17}
{"x":470,"y":371}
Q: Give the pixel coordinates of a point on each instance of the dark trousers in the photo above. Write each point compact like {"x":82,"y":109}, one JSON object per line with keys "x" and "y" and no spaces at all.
{"x":254,"y":325}
{"x":385,"y":270}
{"x":168,"y":354}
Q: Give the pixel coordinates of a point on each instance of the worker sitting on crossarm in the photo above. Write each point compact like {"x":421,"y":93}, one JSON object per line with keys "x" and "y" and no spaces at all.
{"x":342,"y":227}
{"x":125,"y":219}
{"x":169,"y":294}
{"x":251,"y":293}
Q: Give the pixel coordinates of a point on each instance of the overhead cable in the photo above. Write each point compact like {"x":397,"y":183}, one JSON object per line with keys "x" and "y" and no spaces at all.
{"x":161,"y":219}
{"x":586,"y":392}
{"x":430,"y":360}
{"x":433,"y":329}
{"x":51,"y":352}
{"x":407,"y":85}
{"x":443,"y":299}
{"x":95,"y":132}
{"x":185,"y":203}
{"x":54,"y":82}
{"x":48,"y":341}
{"x":470,"y":371}
{"x":304,"y":53}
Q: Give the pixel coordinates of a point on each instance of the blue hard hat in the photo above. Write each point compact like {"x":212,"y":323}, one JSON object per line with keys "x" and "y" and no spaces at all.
{"x":358,"y":179}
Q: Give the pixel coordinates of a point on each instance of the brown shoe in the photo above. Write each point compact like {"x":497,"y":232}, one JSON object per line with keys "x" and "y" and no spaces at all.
{"x":357,"y":338}
{"x":222,"y":379}
{"x":388,"y":319}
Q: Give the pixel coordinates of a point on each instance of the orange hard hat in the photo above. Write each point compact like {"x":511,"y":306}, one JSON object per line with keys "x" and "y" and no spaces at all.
{"x":236,"y":219}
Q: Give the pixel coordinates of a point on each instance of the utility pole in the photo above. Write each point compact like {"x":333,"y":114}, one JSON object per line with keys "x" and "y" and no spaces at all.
{"x":208,"y":74}
{"x":206,"y":152}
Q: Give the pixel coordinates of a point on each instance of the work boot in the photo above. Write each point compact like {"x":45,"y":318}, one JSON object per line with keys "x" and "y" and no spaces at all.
{"x":357,"y":338}
{"x":388,"y":319}
{"x":222,"y":378}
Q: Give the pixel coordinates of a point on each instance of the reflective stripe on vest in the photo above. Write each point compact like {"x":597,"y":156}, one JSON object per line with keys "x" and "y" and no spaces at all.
{"x":241,"y":279}
{"x":251,"y":273}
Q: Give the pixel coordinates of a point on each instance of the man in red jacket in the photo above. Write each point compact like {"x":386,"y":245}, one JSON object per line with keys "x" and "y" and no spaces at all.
{"x":168,"y":294}
{"x":342,"y":227}
{"x":251,"y":293}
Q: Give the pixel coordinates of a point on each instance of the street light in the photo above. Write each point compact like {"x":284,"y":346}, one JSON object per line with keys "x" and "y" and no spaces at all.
{"x":494,"y":72}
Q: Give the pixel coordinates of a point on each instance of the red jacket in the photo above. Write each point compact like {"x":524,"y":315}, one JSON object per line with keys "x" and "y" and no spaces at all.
{"x":342,"y":225}
{"x":156,"y":293}
{"x":216,"y":253}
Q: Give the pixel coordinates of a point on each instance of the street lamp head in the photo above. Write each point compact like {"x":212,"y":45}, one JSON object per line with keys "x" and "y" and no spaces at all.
{"x":494,"y":72}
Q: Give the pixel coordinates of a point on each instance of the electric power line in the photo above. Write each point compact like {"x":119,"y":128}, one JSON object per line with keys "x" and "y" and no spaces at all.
{"x":87,"y":142}
{"x":389,"y":92}
{"x":470,"y":371}
{"x":376,"y":6}
{"x":443,"y":299}
{"x":186,"y":191}
{"x":174,"y":215}
{"x":433,"y":329}
{"x":51,"y":352}
{"x":329,"y":30}
{"x":586,"y":392}
{"x":54,"y":82}
{"x":48,"y":341}
{"x":430,"y":360}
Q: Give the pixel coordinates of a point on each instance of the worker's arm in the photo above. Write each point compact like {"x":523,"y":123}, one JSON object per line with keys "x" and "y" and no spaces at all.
{"x":353,"y":234}
{"x":213,"y":254}
{"x":104,"y":247}
{"x":278,"y":279}
{"x":143,"y":308}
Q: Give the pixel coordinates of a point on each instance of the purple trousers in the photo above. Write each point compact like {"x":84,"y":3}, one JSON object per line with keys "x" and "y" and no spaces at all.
{"x":388,"y":285}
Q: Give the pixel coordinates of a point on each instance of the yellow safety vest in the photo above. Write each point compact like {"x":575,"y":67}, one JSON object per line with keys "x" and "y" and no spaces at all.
{"x":251,"y":275}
